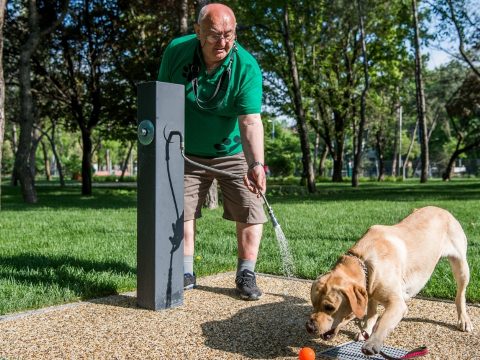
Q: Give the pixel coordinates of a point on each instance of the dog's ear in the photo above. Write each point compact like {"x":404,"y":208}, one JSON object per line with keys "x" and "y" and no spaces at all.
{"x":316,"y":288}
{"x":358,"y":298}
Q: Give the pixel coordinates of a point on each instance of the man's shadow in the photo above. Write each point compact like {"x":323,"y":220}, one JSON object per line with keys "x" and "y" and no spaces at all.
{"x":266,"y":331}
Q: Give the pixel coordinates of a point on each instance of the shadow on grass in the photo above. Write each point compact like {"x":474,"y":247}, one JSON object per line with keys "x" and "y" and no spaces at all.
{"x":111,"y":196}
{"x":402,"y":192}
{"x":70,"y":198}
{"x":83,"y":277}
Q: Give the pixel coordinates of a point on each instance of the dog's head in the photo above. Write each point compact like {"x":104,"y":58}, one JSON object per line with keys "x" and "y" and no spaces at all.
{"x":336,"y":301}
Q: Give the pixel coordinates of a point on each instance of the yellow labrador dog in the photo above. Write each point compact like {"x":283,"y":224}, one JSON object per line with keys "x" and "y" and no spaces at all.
{"x":388,"y":266}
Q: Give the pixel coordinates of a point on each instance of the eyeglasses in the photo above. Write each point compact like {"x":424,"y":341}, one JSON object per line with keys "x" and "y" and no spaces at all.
{"x":214,"y":38}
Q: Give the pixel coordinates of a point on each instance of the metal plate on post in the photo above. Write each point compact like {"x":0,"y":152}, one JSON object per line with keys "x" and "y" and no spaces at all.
{"x":145,"y":132}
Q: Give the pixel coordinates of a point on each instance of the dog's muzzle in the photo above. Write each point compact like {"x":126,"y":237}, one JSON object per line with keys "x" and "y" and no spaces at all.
{"x":312,"y":328}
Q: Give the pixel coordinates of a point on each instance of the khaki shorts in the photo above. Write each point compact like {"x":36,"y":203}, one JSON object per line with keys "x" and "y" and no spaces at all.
{"x":239,"y":204}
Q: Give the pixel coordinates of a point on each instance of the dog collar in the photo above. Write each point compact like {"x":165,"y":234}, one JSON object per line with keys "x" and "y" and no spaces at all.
{"x":362,"y":264}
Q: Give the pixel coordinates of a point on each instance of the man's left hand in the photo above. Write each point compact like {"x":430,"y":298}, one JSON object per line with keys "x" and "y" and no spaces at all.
{"x":255,"y":180}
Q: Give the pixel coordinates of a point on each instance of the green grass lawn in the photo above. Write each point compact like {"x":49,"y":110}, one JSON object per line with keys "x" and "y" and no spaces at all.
{"x":68,"y":247}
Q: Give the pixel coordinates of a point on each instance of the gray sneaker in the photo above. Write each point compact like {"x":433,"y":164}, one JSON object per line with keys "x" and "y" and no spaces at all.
{"x":247,"y":286}
{"x":189,"y":281}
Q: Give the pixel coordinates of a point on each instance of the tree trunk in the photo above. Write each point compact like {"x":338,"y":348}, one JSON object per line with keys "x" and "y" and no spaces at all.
{"x":380,"y":147}
{"x":46,"y":161}
{"x":448,"y":171}
{"x":339,"y":147}
{"x":58,"y":162}
{"x":211,"y":202}
{"x":393,"y":171}
{"x":23,"y":171}
{"x":299,"y":110}
{"x":422,"y":123}
{"x":446,"y":176}
{"x":14,"y":179}
{"x":57,"y":158}
{"x":357,"y":158}
{"x":23,"y":167}
{"x":36,"y":139}
{"x":409,"y":151}
{"x":126,"y":160}
{"x":108,"y":161}
{"x":323,"y":158}
{"x":316,"y":151}
{"x":87,"y":162}
{"x":395,"y":151}
{"x":2,"y":92}
{"x":337,"y":170}
{"x":183,"y":16}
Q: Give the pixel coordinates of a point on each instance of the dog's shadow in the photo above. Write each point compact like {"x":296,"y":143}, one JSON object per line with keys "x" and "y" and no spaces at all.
{"x":429,"y":321}
{"x":265,"y":331}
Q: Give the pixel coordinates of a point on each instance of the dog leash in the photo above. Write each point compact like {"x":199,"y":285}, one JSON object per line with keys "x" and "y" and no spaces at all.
{"x":417,"y":352}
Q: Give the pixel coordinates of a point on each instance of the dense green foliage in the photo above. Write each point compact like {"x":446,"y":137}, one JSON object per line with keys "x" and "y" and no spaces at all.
{"x":70,"y":247}
{"x":84,"y":77}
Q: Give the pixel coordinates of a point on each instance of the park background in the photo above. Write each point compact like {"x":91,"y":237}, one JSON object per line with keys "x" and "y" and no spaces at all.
{"x":360,"y":129}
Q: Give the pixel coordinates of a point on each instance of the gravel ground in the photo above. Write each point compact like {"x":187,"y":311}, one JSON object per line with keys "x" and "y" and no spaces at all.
{"x":214,"y":324}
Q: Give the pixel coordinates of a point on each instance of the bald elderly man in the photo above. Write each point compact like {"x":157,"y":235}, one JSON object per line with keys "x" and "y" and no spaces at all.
{"x":223,"y":130}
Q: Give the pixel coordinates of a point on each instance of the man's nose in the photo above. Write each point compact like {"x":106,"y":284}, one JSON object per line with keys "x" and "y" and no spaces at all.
{"x":221,"y":40}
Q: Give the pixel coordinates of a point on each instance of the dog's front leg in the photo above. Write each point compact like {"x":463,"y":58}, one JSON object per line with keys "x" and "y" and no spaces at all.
{"x":395,"y":310}
{"x":370,"y":320}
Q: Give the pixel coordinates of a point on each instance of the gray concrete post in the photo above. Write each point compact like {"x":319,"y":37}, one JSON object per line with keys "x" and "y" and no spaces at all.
{"x":160,"y":195}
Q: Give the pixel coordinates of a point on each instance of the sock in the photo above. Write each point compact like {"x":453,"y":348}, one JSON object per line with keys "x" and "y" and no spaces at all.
{"x":243,"y":264}
{"x":188,"y":264}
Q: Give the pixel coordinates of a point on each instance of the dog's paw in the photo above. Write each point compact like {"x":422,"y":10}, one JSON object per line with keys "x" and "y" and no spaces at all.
{"x":371,"y":347}
{"x":465,"y":324}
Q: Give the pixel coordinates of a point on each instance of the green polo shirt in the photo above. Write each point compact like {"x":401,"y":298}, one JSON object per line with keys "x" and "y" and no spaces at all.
{"x":213,"y":132}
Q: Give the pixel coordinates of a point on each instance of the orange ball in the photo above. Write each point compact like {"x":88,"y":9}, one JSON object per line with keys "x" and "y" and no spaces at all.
{"x":306,"y":353}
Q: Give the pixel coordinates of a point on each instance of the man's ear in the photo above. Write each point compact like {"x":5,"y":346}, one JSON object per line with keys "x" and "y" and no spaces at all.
{"x":197,"y":30}
{"x":358,"y":298}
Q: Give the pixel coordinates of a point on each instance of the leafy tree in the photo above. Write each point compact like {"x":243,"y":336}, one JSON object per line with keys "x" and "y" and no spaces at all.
{"x":95,"y":60}
{"x":459,"y":21}
{"x":42,"y":19}
{"x":422,"y":123}
{"x":330,"y":64}
{"x":440,"y":85}
{"x":281,"y":150}
{"x":358,"y":147}
{"x":464,"y":111}
{"x":268,"y":29}
{"x":2,"y":89}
